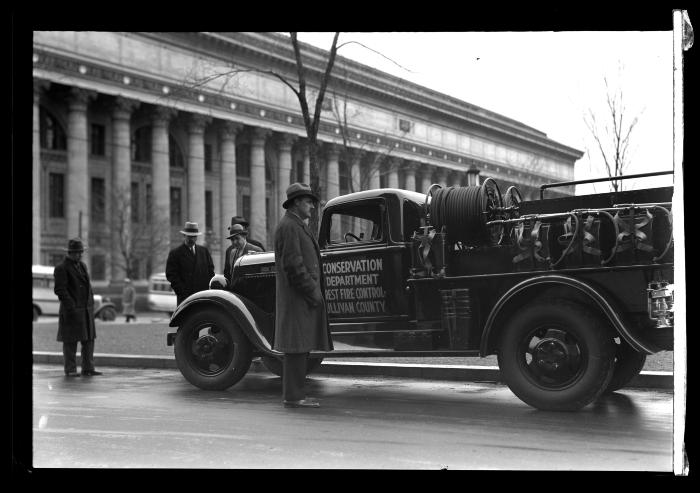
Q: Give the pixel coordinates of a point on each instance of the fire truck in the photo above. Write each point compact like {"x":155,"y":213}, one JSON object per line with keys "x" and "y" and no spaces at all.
{"x":571,"y":293}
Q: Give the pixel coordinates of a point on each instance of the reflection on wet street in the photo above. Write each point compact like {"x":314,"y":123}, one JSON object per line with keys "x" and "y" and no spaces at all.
{"x":149,"y":418}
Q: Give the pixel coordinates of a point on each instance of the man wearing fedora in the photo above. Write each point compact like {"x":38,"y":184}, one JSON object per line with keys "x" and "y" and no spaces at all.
{"x":76,"y":317}
{"x":189,"y":267}
{"x":301,"y":323}
{"x":239,"y":247}
{"x":243,"y":222}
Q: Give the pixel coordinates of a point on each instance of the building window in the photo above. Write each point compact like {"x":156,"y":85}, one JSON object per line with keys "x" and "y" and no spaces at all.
{"x":404,"y":125}
{"x":135,"y":268}
{"x":208,"y":211}
{"x":175,"y":206}
{"x":149,"y":203}
{"x":56,"y":197}
{"x":135,"y":202}
{"x":97,"y":139}
{"x":97,"y":267}
{"x":176,"y":158}
{"x":245,"y":206}
{"x":97,"y":200}
{"x":51,"y":134}
{"x":243,"y":160}
{"x":56,"y":258}
{"x":300,"y":171}
{"x":344,"y":178}
{"x":207,"y":157}
{"x":141,"y":145}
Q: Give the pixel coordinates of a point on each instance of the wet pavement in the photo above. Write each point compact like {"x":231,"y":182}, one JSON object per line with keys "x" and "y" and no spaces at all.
{"x":153,"y":418}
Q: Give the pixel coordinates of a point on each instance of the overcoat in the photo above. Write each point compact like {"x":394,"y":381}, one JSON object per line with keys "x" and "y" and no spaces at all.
{"x":228,"y":265}
{"x":189,"y":273}
{"x":76,"y":316}
{"x":301,"y":323}
{"x":129,"y":300}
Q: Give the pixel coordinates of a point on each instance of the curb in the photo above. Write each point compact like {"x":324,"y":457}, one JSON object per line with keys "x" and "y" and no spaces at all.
{"x":646,"y":379}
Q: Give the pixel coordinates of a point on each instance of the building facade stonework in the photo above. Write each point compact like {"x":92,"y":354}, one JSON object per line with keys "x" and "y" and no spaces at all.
{"x":133,"y":137}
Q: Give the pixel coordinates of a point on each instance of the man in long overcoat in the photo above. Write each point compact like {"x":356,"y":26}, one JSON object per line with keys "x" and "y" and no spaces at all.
{"x":76,"y":317}
{"x":301,"y":323}
{"x":189,"y":267}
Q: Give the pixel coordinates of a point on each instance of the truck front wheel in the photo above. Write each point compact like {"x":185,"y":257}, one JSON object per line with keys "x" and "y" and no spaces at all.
{"x":556,"y":356}
{"x":211,"y":352}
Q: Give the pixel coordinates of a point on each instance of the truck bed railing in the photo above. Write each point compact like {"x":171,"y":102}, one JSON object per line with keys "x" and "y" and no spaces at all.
{"x":595,"y":180}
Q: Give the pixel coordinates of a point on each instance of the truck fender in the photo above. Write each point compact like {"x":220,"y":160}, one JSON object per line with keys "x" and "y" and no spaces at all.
{"x":607,"y":307}
{"x":234,"y":306}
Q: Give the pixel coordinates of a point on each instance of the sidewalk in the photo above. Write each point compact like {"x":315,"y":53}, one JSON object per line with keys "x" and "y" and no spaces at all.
{"x":646,"y":379}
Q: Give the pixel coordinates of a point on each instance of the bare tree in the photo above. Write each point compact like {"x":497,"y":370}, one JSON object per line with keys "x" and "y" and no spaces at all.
{"x":136,"y":240}
{"x":612,"y":133}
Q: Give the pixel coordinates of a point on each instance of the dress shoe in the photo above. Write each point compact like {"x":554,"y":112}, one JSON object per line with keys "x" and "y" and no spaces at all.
{"x":310,"y":402}
{"x":91,"y":373}
{"x":72,"y":374}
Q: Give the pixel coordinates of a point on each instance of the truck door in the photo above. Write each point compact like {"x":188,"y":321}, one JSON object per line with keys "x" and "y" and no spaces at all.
{"x":363,"y":272}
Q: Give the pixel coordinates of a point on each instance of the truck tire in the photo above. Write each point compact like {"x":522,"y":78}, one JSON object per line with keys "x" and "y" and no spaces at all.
{"x":211,"y":351}
{"x":556,"y":355}
{"x":628,"y":364}
{"x":275,"y":365}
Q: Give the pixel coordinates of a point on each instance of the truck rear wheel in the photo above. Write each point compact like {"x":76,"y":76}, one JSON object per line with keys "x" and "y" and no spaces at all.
{"x":628,"y":364}
{"x":556,"y":356}
{"x":275,"y":365}
{"x":211,"y":352}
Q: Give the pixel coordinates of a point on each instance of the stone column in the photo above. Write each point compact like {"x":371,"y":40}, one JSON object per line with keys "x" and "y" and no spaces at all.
{"x":161,"y":185}
{"x":355,"y":171}
{"x":77,"y":180}
{"x":307,"y":166}
{"x":39,"y":87}
{"x":258,"y":192}
{"x":410,"y":176}
{"x":393,"y":173}
{"x":195,"y":171}
{"x":426,"y":178}
{"x":120,"y":198}
{"x":284,"y":170}
{"x":442,"y":176}
{"x":229,"y":185}
{"x":332,"y":182}
{"x":374,"y":173}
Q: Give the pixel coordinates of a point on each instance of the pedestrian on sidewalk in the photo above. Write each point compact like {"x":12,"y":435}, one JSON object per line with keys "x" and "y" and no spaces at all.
{"x":301,"y":324}
{"x":129,"y":300}
{"x":76,"y":317}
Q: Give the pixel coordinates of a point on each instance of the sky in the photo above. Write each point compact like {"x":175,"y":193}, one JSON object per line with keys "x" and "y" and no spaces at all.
{"x":547,"y":80}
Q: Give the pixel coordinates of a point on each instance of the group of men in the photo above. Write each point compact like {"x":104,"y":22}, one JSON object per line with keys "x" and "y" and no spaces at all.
{"x":301,"y":323}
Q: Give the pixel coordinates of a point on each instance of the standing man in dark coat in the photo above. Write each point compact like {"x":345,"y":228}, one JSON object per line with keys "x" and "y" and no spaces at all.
{"x":189,"y":267}
{"x":239,"y":247}
{"x":243,"y":222}
{"x":76,"y":317}
{"x":301,"y":324}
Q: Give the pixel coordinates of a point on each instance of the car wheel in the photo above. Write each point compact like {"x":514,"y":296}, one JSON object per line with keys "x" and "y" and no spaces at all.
{"x":628,"y":364}
{"x":108,"y":314}
{"x":556,"y":356}
{"x":275,"y":364}
{"x":211,"y":352}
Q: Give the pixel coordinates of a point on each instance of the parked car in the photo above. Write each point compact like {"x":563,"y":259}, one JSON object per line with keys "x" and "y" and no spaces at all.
{"x":45,"y":301}
{"x":161,"y":297}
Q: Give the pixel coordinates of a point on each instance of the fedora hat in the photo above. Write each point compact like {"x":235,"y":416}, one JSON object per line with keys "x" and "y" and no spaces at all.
{"x":239,"y":220}
{"x":237,"y":229}
{"x":75,"y":245}
{"x":298,"y":190}
{"x":191,"y":229}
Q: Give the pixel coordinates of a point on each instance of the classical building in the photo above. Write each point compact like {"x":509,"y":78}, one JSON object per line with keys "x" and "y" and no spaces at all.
{"x":137,"y":133}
